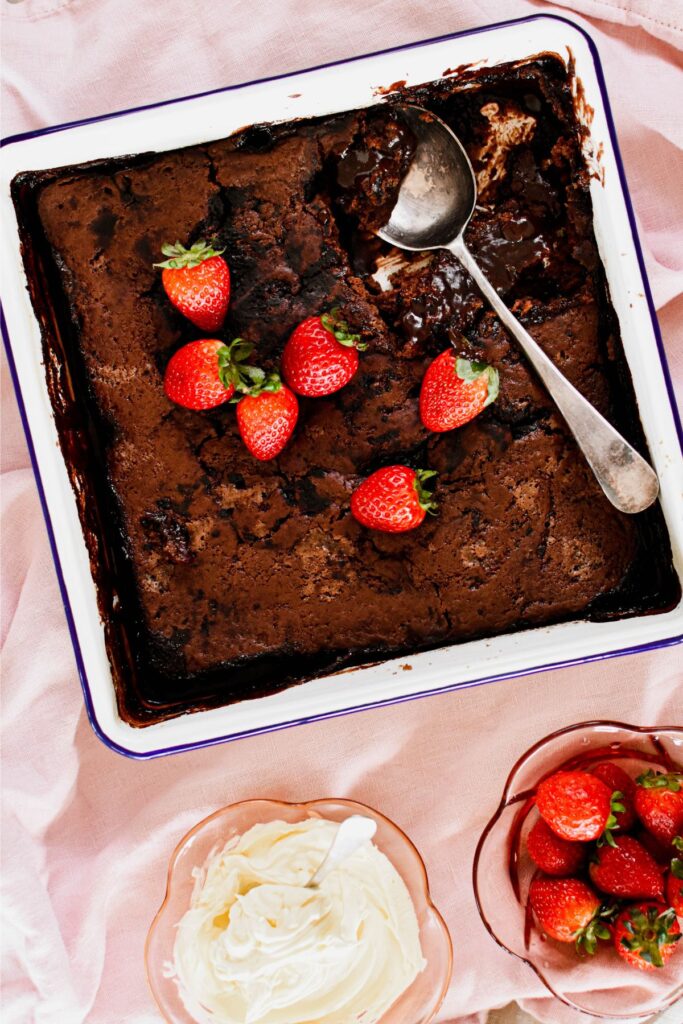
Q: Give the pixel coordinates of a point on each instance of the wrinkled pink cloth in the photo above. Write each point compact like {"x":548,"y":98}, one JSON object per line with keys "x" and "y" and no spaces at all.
{"x":87,"y":834}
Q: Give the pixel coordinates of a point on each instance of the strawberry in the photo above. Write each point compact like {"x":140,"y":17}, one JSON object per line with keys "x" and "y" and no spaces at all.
{"x":674,"y":893}
{"x":626,"y":869}
{"x":266,"y":417}
{"x":576,"y":805}
{"x":568,"y":910}
{"x":661,"y":853}
{"x":645,"y":935}
{"x":455,"y":390}
{"x":393,"y":499}
{"x":659,"y":804}
{"x":618,"y":781}
{"x":321,"y":355}
{"x":674,"y":880}
{"x":204,"y":374}
{"x":197,"y":281}
{"x":551,"y":854}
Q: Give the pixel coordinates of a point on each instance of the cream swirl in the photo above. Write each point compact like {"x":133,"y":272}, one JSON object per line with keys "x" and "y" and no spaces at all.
{"x":257,"y":947}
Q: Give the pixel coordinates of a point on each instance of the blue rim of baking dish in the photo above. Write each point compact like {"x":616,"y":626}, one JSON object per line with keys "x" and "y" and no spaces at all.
{"x":402,"y":699}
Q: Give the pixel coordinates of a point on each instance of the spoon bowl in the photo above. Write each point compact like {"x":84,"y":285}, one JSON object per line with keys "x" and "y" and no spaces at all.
{"x":439,"y":191}
{"x":434,"y":205}
{"x":352,"y":833}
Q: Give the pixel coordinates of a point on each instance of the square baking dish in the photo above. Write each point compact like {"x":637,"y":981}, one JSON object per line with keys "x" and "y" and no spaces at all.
{"x":317,"y":91}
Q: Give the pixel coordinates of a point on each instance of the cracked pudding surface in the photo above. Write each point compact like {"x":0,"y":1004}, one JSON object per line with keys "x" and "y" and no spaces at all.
{"x":221,"y":578}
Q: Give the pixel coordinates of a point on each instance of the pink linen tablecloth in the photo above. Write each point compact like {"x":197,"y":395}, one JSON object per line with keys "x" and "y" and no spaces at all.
{"x":87,"y":834}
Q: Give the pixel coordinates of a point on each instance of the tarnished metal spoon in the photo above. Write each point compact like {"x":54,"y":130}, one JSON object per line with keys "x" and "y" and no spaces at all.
{"x":434,"y":206}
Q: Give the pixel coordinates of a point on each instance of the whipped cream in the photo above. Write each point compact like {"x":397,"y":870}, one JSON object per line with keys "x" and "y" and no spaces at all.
{"x":257,"y":947}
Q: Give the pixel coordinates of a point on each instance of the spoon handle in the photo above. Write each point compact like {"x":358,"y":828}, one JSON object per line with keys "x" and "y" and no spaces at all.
{"x":353,"y":833}
{"x":625,"y":477}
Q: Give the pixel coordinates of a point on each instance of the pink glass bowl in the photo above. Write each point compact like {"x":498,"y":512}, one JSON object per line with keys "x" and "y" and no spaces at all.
{"x":603,"y":985}
{"x":419,"y":1004}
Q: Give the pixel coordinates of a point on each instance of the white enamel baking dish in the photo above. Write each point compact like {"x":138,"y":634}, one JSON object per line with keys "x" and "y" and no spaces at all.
{"x":324,"y":90}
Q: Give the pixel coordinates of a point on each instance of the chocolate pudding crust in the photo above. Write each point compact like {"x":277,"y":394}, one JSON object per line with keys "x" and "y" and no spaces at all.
{"x":222,"y":578}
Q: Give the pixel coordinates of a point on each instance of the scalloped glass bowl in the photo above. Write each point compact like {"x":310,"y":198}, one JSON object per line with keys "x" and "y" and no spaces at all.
{"x":603,"y":985}
{"x":419,"y":1004}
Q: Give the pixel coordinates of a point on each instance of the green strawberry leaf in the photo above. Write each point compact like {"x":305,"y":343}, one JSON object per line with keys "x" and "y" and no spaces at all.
{"x":471,"y":370}
{"x":254,"y":373}
{"x":586,"y":939}
{"x":333,"y":323}
{"x":270,"y":382}
{"x":180,"y":257}
{"x":424,"y":493}
{"x":649,"y":932}
{"x":661,"y":780}
{"x":612,"y":825}
{"x":235,"y":372}
{"x":494,"y":385}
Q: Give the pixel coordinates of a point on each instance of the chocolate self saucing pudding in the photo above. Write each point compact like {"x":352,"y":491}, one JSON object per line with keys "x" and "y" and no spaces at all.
{"x":221,"y":577}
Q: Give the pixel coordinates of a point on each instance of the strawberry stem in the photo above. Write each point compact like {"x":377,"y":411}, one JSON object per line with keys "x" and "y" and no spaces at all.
{"x":424,"y":494}
{"x":648,"y":932}
{"x":658,"y":780}
{"x":271,"y":382}
{"x":586,"y":938}
{"x":234,"y":371}
{"x":616,"y":807}
{"x":333,"y":323}
{"x":179,"y":257}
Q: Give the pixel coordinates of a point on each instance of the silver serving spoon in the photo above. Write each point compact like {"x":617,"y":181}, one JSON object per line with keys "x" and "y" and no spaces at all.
{"x":351,"y":834}
{"x":434,"y":206}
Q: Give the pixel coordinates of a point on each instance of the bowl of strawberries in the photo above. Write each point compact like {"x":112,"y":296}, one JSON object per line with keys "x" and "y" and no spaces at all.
{"x":580,"y":870}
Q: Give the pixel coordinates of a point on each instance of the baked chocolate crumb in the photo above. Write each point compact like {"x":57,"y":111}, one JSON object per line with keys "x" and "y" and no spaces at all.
{"x":233,"y":578}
